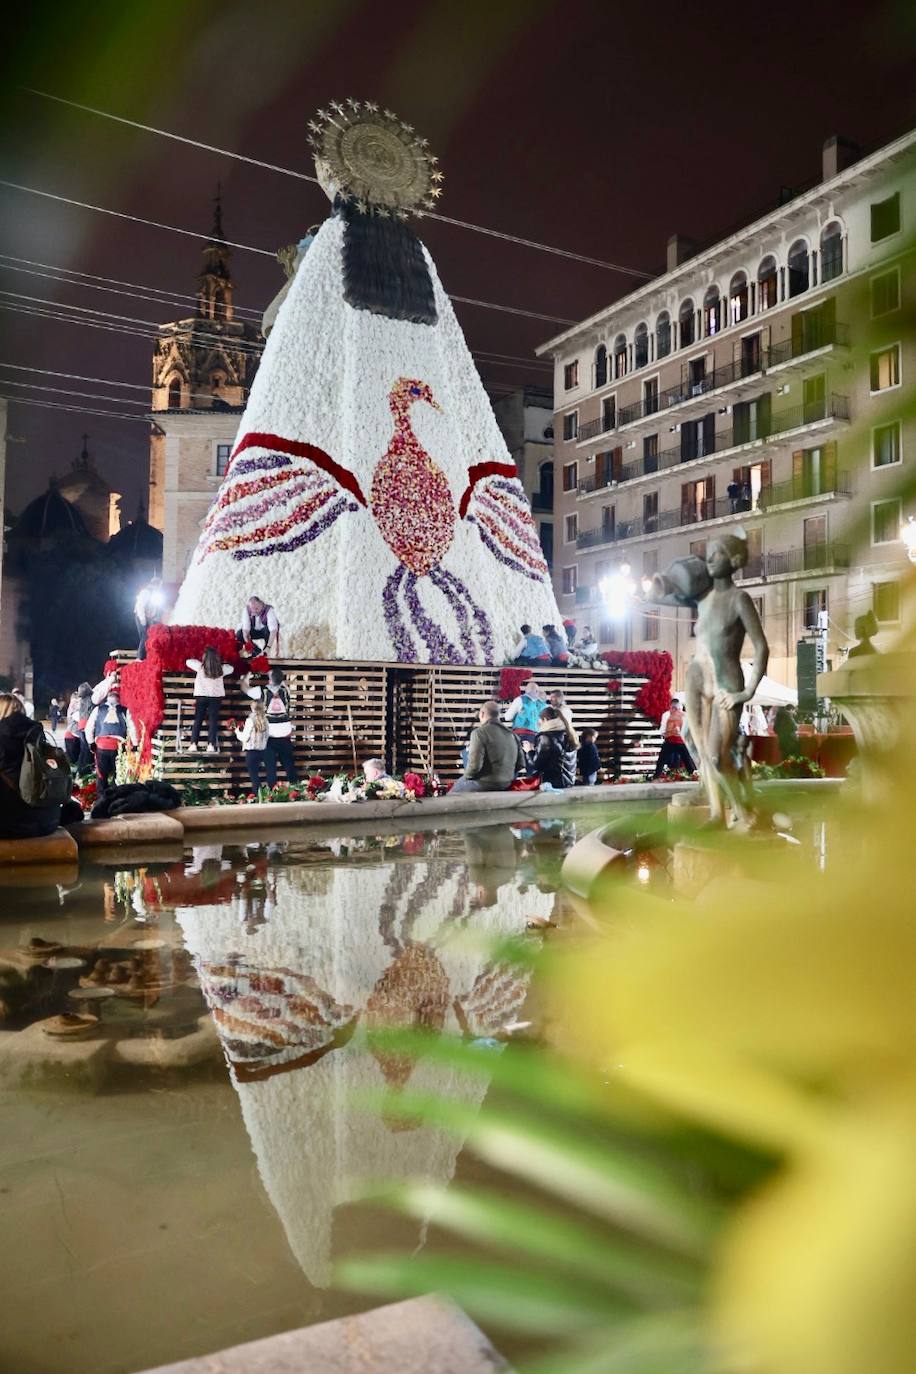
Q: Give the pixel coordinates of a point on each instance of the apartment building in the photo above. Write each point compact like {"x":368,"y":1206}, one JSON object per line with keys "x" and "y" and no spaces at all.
{"x":758,"y":383}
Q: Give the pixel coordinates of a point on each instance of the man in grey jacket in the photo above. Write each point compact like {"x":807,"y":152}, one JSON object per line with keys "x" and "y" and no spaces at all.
{"x":494,"y":755}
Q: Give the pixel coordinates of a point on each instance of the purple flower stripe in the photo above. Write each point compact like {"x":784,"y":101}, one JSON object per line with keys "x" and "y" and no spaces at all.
{"x":524,"y":532}
{"x":484,"y":632}
{"x":305,"y":536}
{"x":238,"y":518}
{"x":270,"y":460}
{"x":436,"y":641}
{"x":404,"y":647}
{"x":513,"y":486}
{"x":441,"y":579}
{"x":503,"y":558}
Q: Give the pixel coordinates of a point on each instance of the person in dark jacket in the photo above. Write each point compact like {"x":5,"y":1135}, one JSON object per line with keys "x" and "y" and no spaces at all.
{"x":589,"y":758}
{"x":558,"y":646}
{"x":494,"y":755}
{"x":17,"y":820}
{"x":553,"y":758}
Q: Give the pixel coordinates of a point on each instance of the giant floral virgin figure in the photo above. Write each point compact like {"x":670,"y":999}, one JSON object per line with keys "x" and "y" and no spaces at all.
{"x":370,"y":496}
{"x":346,"y":949}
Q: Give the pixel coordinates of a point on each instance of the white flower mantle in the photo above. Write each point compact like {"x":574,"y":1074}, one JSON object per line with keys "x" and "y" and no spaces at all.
{"x":326,"y":380}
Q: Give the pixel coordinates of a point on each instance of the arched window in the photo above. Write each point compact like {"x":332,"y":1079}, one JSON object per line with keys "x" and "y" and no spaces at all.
{"x":831,"y":252}
{"x":600,"y":365}
{"x":175,"y":393}
{"x":712,"y":312}
{"x":663,"y":335}
{"x":641,"y":346}
{"x":799,"y":268}
{"x":738,"y":302}
{"x":620,"y":355}
{"x":767,"y":291}
{"x":686,"y":323}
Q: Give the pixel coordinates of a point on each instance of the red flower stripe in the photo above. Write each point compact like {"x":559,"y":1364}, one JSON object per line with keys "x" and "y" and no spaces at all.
{"x":498,"y":532}
{"x":517,"y":520}
{"x":476,"y":474}
{"x":230,"y":495}
{"x":317,"y":455}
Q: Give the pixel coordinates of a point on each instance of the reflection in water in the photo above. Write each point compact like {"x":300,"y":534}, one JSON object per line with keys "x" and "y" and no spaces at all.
{"x":299,"y":964}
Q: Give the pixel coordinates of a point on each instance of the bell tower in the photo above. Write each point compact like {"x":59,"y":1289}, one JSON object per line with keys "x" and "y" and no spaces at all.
{"x":214,"y":290}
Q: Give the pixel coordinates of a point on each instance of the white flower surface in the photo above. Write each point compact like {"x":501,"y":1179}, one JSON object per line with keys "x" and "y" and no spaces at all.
{"x":310,"y":518}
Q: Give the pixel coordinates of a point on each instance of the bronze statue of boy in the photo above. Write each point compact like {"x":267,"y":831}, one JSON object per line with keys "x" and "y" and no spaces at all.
{"x":716,"y":689}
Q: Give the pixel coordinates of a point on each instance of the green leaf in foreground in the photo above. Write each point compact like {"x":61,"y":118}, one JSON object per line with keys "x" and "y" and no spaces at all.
{"x":614,"y":1262}
{"x":598,"y":1175}
{"x":539,"y":1303}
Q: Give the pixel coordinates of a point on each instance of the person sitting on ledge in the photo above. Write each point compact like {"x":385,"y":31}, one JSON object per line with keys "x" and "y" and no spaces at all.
{"x":19,"y":819}
{"x":374,"y":770}
{"x":260,"y":627}
{"x":553,"y":759}
{"x":494,"y":755}
{"x":588,"y":644}
{"x":531,"y":650}
{"x":557,"y":645}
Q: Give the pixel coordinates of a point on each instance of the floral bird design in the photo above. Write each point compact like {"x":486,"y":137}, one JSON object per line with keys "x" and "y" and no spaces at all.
{"x":280,"y":494}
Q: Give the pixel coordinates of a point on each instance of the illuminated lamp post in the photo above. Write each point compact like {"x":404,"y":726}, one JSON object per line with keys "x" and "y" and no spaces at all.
{"x":618,"y":590}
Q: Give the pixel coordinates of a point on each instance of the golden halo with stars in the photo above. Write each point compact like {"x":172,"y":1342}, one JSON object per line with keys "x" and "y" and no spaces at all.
{"x":370,"y":157}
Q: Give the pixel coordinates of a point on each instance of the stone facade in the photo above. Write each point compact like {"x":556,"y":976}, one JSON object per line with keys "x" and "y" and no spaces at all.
{"x":203,"y":368}
{"x":758,"y":383}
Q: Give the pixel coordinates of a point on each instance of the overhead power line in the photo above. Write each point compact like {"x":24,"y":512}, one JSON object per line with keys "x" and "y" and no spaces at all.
{"x":96,"y":381}
{"x":247,"y":247}
{"x":305,"y":176}
{"x":79,"y":410}
{"x":86,"y":395}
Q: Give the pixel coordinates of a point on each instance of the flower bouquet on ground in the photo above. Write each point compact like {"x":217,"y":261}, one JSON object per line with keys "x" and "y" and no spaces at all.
{"x":796,"y":766}
{"x":86,"y":791}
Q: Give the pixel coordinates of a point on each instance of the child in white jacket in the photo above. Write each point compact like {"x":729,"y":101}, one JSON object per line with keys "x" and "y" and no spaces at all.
{"x":253,"y":739}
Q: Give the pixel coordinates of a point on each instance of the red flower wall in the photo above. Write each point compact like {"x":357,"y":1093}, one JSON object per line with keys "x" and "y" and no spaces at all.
{"x":654,"y":696}
{"x":167,"y":649}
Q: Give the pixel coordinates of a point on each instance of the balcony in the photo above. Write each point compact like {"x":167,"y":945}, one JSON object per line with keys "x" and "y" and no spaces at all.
{"x":804,"y":489}
{"x":809,"y":344}
{"x":820,"y":414}
{"x":542,"y":503}
{"x":816,"y":558}
{"x":812,"y":341}
{"x":592,"y":428}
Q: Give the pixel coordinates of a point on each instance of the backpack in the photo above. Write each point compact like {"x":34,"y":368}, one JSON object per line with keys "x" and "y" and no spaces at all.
{"x":44,"y":778}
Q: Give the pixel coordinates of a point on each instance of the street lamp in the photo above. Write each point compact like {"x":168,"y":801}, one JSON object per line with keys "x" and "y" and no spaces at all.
{"x":908,"y":535}
{"x":618,"y":590}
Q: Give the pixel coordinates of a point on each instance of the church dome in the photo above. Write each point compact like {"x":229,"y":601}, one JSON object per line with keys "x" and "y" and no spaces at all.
{"x":49,"y":516}
{"x":137,"y":540}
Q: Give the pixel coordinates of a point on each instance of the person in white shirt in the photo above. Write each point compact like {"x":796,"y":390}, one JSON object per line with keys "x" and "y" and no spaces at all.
{"x":209,"y":690}
{"x":253,"y":739}
{"x":260,"y":627}
{"x":148,"y":610}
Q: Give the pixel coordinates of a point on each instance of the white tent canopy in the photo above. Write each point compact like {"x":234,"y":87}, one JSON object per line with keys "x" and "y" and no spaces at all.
{"x":770,"y":692}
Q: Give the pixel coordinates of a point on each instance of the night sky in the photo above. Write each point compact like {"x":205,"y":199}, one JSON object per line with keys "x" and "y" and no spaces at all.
{"x":599,"y":128}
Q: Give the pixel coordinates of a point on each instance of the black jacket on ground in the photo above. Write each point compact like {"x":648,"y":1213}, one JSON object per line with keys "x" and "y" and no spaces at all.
{"x":18,"y":821}
{"x":554,"y":759}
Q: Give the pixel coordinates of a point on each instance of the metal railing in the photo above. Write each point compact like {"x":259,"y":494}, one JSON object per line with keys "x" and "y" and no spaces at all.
{"x":541,"y":503}
{"x":814,"y":558}
{"x":602,"y":425}
{"x":805,"y":488}
{"x":814,"y":413}
{"x":815,"y":337}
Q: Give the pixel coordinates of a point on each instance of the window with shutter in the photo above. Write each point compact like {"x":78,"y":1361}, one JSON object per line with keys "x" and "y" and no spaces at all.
{"x":885,"y":217}
{"x":886,"y":601}
{"x":886,"y":450}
